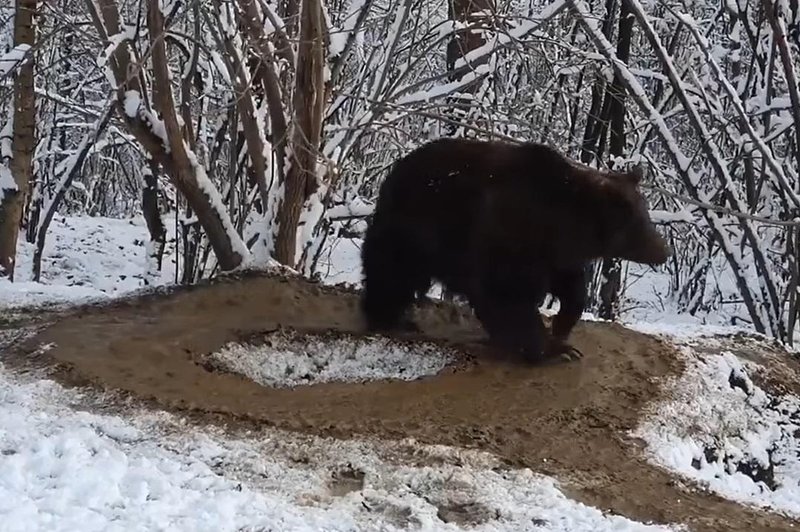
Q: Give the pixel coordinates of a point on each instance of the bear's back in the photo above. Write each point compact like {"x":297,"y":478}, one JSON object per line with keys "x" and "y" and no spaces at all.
{"x":460,"y":168}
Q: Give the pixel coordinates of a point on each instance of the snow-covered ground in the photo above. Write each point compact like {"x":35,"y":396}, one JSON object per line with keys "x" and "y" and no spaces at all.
{"x":85,"y":258}
{"x":63,"y":468}
{"x":722,"y":430}
{"x":66,"y":469}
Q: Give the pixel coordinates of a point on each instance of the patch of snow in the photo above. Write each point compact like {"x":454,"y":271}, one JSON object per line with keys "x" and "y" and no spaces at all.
{"x":355,"y":208}
{"x":114,"y":42}
{"x":7,"y":133}
{"x":87,"y":258}
{"x":341,"y":262}
{"x":721,"y":430}
{"x":338,"y":42}
{"x":133,"y":100}
{"x":682,"y":327}
{"x":66,"y":469}
{"x":290,"y":359}
{"x":659,"y":216}
{"x":219,"y":64}
{"x":7,"y":183}
{"x":449,"y":27}
{"x":10,"y":59}
{"x":157,"y":127}
{"x":313,"y":211}
{"x":445,"y":89}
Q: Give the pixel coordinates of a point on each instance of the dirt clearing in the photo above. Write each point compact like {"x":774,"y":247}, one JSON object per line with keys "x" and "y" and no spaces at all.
{"x":567,"y":420}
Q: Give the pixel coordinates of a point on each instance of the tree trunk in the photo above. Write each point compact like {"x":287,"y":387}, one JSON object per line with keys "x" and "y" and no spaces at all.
{"x":612,"y":268}
{"x":23,"y":143}
{"x":152,"y":217}
{"x":469,"y":13}
{"x":180,"y":163}
{"x":590,"y":144}
{"x":591,"y":133}
{"x":301,"y":179}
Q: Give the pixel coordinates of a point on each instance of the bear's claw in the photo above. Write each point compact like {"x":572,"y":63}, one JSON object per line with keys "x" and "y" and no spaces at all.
{"x":559,"y":348}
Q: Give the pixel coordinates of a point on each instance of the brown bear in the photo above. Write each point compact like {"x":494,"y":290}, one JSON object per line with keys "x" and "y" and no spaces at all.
{"x":502,"y":225}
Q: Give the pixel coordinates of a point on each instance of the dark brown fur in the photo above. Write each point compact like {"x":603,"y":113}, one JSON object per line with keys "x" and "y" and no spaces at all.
{"x":502,"y":225}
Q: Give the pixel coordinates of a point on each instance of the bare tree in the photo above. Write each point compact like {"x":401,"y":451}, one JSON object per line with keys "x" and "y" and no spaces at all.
{"x":302,"y":179}
{"x":22,"y":118}
{"x":611,"y":269}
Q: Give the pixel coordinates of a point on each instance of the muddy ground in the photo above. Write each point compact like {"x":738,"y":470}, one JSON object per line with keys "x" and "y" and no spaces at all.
{"x":568,"y":420}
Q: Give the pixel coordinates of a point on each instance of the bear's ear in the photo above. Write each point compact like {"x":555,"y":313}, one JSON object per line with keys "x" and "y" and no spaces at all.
{"x":635,"y":175}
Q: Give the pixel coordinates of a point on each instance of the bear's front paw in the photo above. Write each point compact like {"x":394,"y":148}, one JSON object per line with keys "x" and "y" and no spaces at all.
{"x":407,"y":325}
{"x":560,"y":348}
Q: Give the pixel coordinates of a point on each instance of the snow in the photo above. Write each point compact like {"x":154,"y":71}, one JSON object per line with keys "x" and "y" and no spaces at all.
{"x":449,"y":27}
{"x":718,"y":425}
{"x":659,"y":216}
{"x":287,"y":359}
{"x":310,"y":217}
{"x":444,"y":89}
{"x":86,"y":258}
{"x":352,"y":209}
{"x":133,"y":100}
{"x":114,"y":41}
{"x":157,"y":126}
{"x":341,"y":262}
{"x":66,"y":468}
{"x":219,"y":63}
{"x":6,"y":181}
{"x":12,"y":58}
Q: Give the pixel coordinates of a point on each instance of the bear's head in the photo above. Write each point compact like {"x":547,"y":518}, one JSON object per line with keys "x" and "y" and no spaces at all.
{"x":631,"y":233}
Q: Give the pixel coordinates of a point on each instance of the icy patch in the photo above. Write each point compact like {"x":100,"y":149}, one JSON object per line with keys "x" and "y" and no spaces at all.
{"x":724,"y":432}
{"x":290,"y":359}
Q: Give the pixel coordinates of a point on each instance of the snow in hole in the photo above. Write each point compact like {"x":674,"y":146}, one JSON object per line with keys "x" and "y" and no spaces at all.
{"x":288,"y":358}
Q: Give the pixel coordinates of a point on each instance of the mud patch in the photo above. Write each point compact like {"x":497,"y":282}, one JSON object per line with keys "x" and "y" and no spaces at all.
{"x":398,"y":515}
{"x":288,"y":358}
{"x":567,"y":420}
{"x":466,"y":514}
